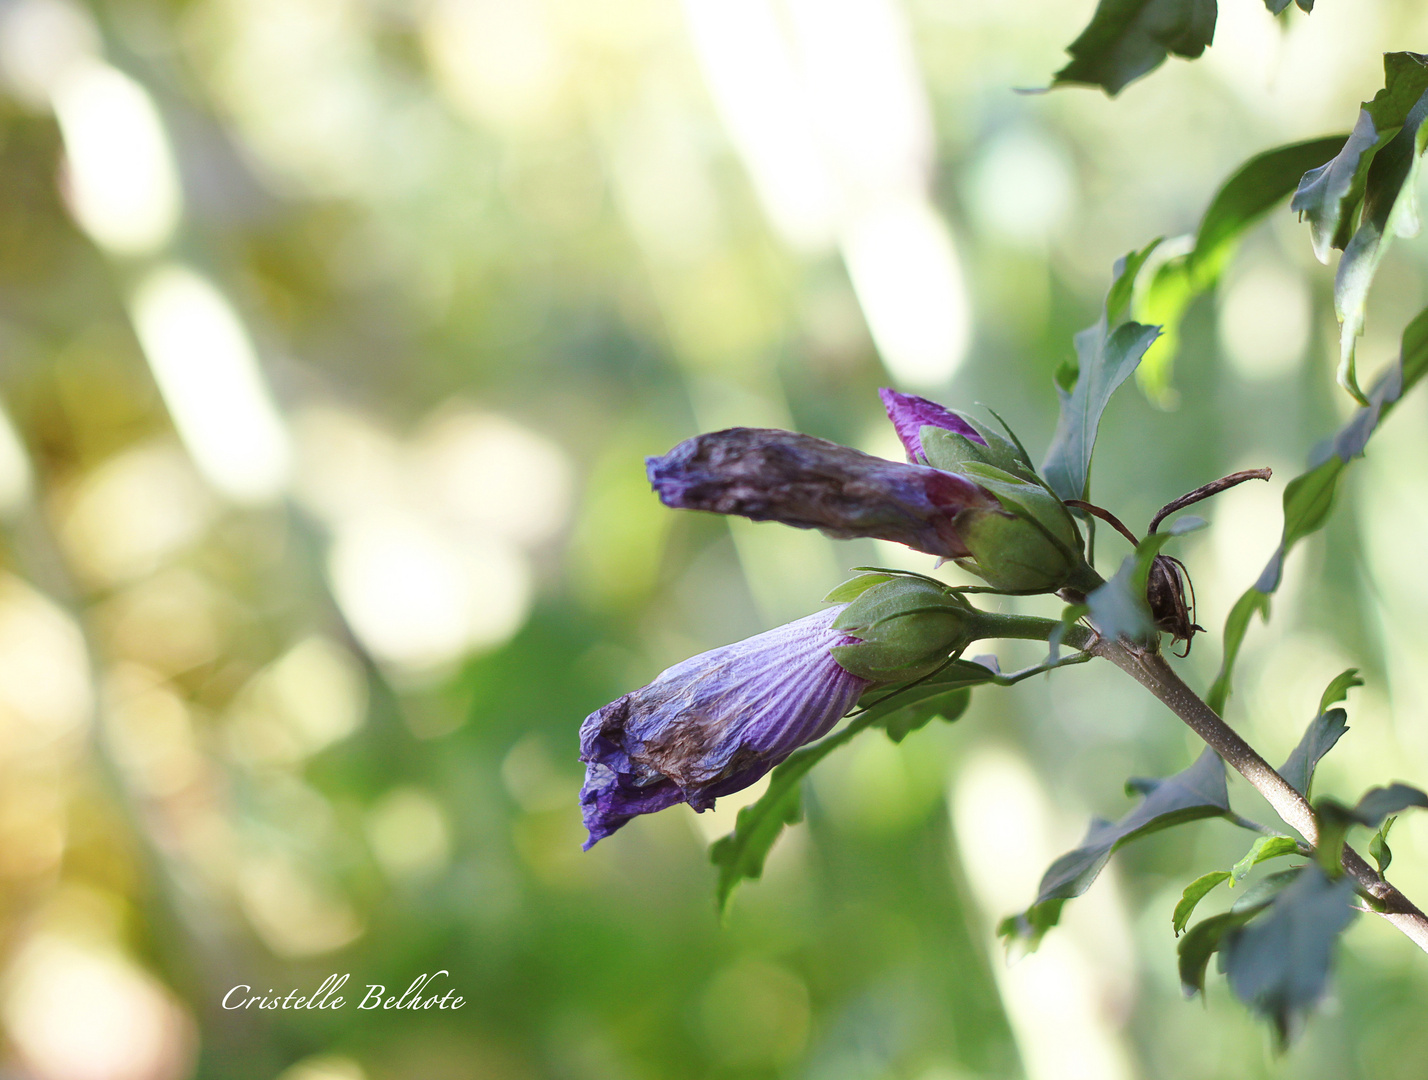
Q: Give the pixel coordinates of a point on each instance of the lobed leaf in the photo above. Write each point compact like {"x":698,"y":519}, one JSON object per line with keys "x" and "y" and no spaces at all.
{"x":1319,"y":738}
{"x":1335,"y":819}
{"x":1390,"y":209}
{"x":900,"y":710}
{"x":1330,"y":195}
{"x":1129,"y":38}
{"x":1338,"y":689}
{"x":1197,"y":792}
{"x":1260,"y":184}
{"x":1309,"y":498}
{"x":1119,"y":607}
{"x":1379,"y":802}
{"x":742,"y":853}
{"x":1262,"y":850}
{"x":1278,"y":961}
{"x":1106,"y":353}
{"x":1203,"y":941}
{"x":948,"y":706}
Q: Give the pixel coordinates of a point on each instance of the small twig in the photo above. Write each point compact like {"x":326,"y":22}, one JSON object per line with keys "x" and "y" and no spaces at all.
{"x":1106,"y":516}
{"x":1214,"y":487}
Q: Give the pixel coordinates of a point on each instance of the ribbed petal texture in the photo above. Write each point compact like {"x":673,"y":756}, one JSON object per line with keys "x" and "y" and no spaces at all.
{"x":714,"y":723}
{"x":771,"y":475}
{"x":910,"y":414}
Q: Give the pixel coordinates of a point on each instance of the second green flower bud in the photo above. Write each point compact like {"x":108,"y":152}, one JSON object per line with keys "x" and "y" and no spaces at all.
{"x":907,"y":626}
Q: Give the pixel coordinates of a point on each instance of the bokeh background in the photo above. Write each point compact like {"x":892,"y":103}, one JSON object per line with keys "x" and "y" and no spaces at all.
{"x":332,"y":335}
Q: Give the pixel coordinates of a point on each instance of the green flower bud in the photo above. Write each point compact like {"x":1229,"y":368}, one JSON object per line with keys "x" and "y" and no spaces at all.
{"x":1014,"y":553}
{"x":1031,"y":545}
{"x":907,"y":627}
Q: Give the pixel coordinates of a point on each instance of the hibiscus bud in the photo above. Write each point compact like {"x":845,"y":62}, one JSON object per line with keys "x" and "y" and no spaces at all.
{"x":936,"y":436}
{"x":1039,"y":549}
{"x":1016,"y":554}
{"x":910,"y":414}
{"x":714,"y":723}
{"x":907,"y":627}
{"x":770,"y":475}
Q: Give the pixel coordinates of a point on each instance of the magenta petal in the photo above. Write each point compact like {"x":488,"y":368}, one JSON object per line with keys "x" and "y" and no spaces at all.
{"x":910,"y":414}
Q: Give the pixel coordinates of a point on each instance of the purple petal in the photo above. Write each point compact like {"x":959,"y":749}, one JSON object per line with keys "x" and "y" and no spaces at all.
{"x":910,"y":414}
{"x":771,"y":475}
{"x":714,"y":723}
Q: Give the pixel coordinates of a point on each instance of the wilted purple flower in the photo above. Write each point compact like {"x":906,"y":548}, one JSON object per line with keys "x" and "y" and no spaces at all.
{"x":910,"y":414}
{"x":714,"y":723}
{"x":771,"y":475}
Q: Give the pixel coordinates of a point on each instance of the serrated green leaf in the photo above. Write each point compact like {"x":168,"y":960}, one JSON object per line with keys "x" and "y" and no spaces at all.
{"x":1390,"y":210}
{"x":1259,"y":185}
{"x":1129,"y":38}
{"x":1195,"y":793}
{"x":1329,"y":196}
{"x":742,"y":853}
{"x":1338,"y":689}
{"x":1278,"y":963}
{"x":1107,"y":354}
{"x":1258,"y":893}
{"x":1319,"y":738}
{"x":1202,"y":942}
{"x":1377,"y":803}
{"x":1335,"y":819}
{"x":1378,"y":847}
{"x":1263,"y":849}
{"x":1031,"y":925}
{"x":1307,"y":504}
{"x":1255,"y":188}
{"x":947,"y":706}
{"x":1196,"y":891}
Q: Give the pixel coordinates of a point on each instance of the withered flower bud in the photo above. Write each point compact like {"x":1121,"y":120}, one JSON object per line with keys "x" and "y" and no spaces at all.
{"x":714,"y":723}
{"x":771,"y":475}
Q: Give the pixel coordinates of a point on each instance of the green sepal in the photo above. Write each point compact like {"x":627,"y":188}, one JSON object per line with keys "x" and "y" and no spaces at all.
{"x":907,"y":628}
{"x":855,"y":587}
{"x":1029,"y":500}
{"x":951,"y":450}
{"x":1011,"y":553}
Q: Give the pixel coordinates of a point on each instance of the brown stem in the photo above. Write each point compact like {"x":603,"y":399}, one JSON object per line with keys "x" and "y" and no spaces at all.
{"x":1214,"y":487}
{"x":1151,"y":671}
{"x":1106,"y":516}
